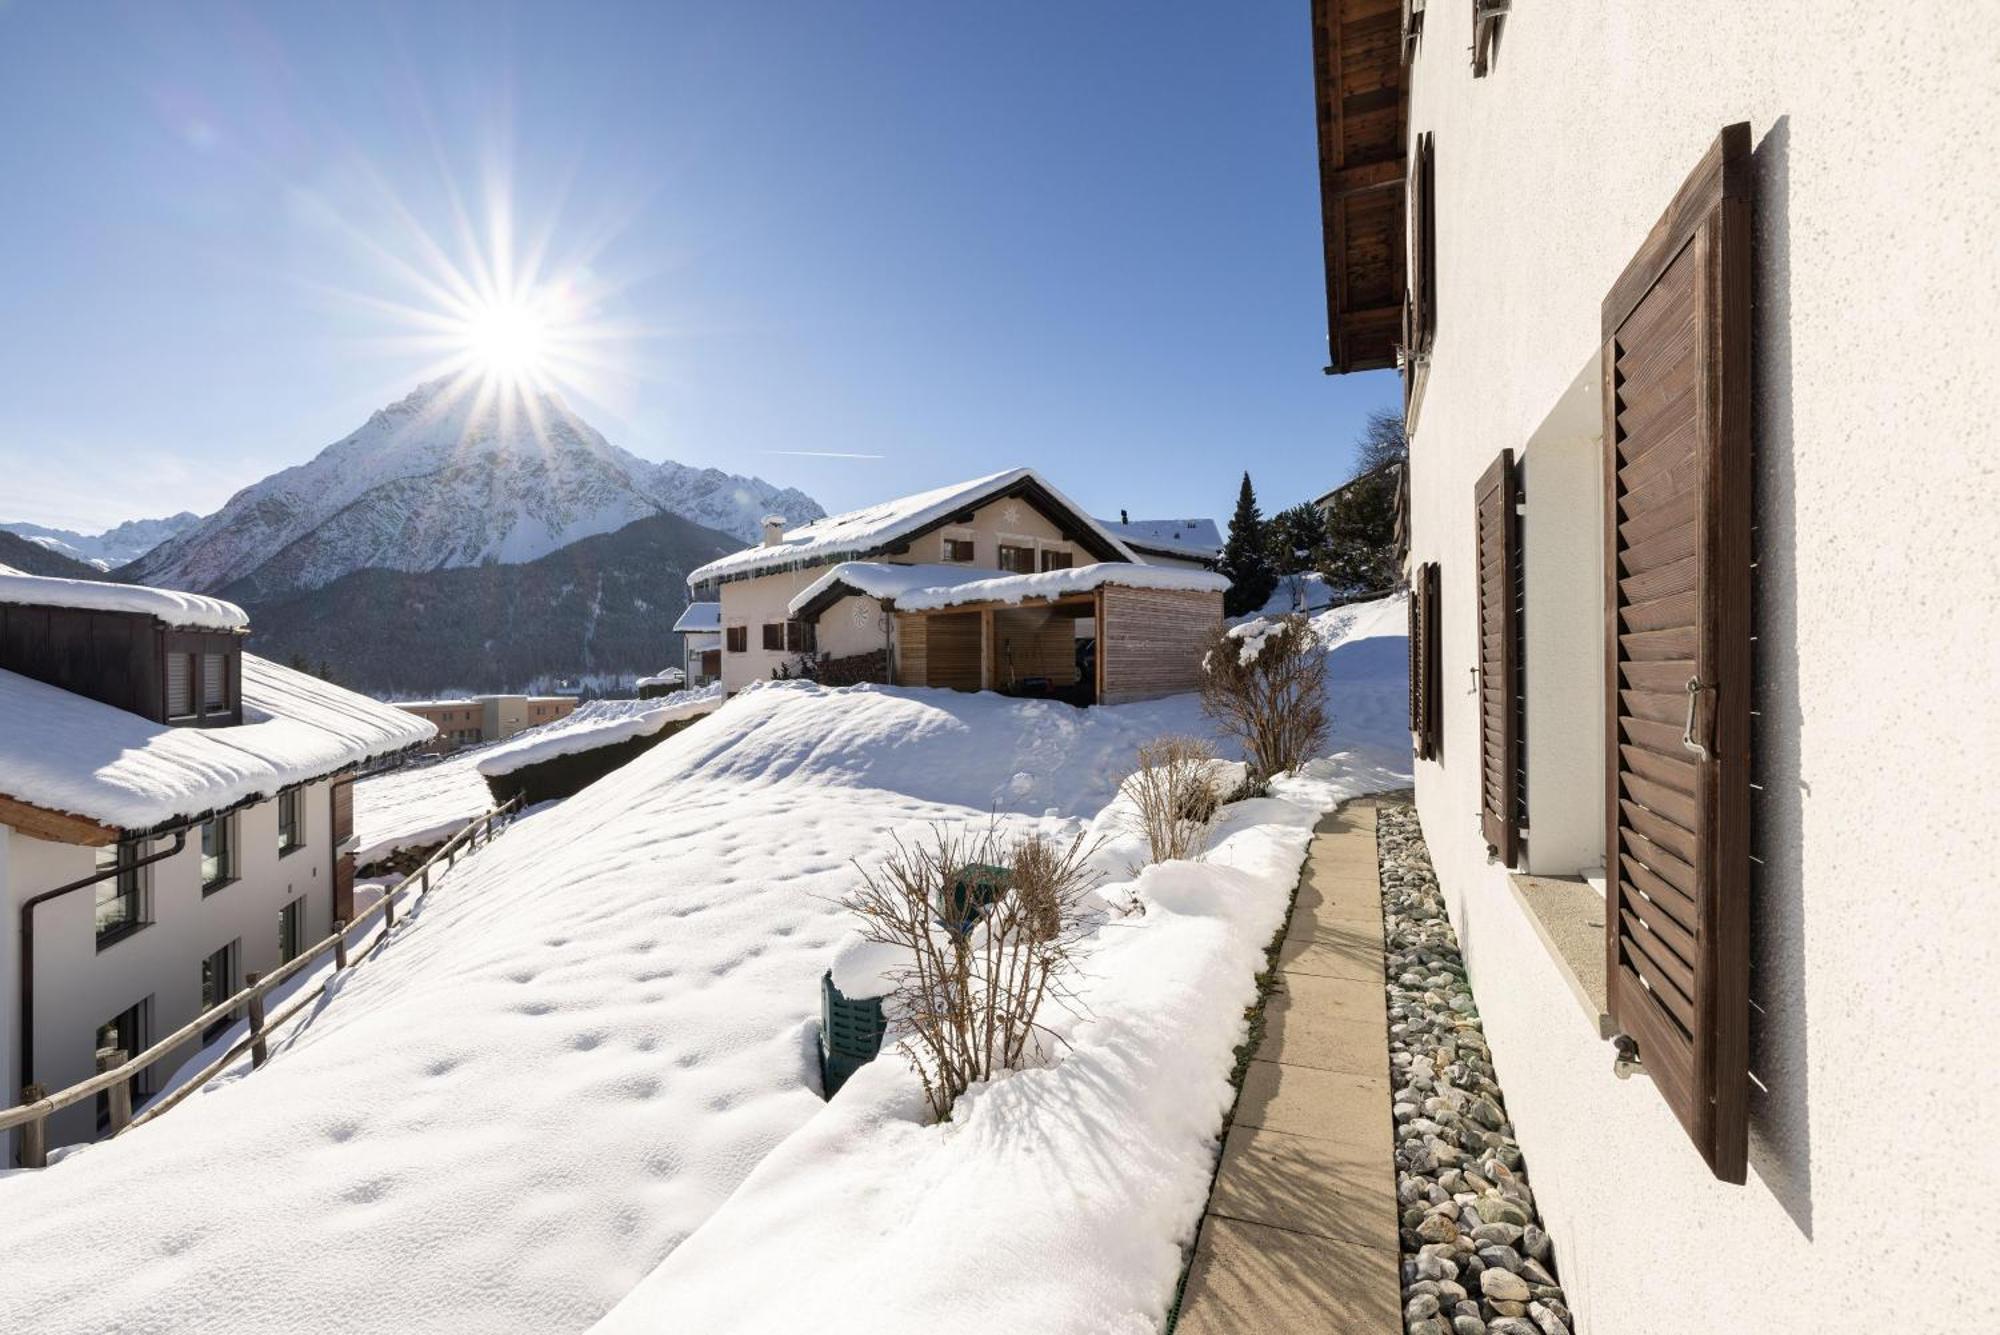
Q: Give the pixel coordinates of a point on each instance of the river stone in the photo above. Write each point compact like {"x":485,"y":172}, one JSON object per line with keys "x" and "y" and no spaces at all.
{"x":1547,"y":1320}
{"x":1437,"y":1228}
{"x":1497,"y":1235}
{"x":1467,"y":1325}
{"x":1503,"y":1285}
{"x":1421,"y":1306}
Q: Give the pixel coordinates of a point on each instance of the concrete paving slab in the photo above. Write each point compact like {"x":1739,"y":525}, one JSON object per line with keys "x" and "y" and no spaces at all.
{"x":1350,"y":1110}
{"x":1308,"y":1186}
{"x":1251,"y":1279}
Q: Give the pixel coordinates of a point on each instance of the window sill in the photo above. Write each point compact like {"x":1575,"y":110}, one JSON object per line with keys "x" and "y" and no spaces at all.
{"x":126,"y":933}
{"x":287,"y":852}
{"x":1568,"y":915}
{"x":213,"y":886}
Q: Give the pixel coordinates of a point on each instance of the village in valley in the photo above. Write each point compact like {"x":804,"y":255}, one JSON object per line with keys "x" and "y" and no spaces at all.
{"x":1126,"y":842}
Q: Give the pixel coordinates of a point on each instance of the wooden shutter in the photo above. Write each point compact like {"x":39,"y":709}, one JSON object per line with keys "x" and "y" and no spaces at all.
{"x":1422,"y":310}
{"x":1678,"y":651}
{"x":1425,"y":672}
{"x":1496,"y":529}
{"x":342,"y":797}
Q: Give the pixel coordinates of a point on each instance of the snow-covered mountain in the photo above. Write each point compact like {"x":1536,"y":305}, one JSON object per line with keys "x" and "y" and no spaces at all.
{"x":444,"y":479}
{"x":115,"y":546}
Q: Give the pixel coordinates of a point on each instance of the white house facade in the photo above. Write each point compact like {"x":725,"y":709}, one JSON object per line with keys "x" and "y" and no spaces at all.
{"x":175,"y":815}
{"x":1696,"y":307}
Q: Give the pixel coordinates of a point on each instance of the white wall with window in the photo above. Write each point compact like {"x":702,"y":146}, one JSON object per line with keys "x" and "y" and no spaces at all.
{"x":159,"y":937}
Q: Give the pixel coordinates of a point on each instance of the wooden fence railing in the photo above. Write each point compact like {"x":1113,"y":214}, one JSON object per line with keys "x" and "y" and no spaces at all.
{"x":115,"y":1069}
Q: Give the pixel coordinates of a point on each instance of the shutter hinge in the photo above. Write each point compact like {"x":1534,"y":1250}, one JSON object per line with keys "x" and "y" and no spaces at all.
{"x":1626,"y":1064}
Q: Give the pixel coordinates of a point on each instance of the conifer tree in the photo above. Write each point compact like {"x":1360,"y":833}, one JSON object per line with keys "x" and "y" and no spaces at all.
{"x":1246,"y":557}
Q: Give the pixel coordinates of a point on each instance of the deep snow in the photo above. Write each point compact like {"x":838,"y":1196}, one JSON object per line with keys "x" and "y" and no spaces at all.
{"x":594,"y":724}
{"x":191,"y":611}
{"x":592,"y":1032}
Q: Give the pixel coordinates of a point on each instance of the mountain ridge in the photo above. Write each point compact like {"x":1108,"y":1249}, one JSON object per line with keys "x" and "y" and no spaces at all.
{"x":115,"y":546}
{"x":444,"y":478}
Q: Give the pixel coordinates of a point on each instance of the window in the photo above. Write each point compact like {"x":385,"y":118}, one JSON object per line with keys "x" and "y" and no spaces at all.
{"x":959,"y":550}
{"x":124,"y":1032}
{"x":1017,"y":560}
{"x":1054,"y":560}
{"x":736,"y":639}
{"x":291,"y":821}
{"x":214,"y":683}
{"x":1486,"y":17}
{"x":291,"y":931}
{"x":774,"y":636}
{"x":218,"y":984}
{"x":802,"y":637}
{"x":218,"y":852}
{"x":120,"y":898}
{"x":180,"y":685}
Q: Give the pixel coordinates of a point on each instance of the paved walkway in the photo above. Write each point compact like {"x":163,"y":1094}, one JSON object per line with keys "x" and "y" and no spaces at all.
{"x":1300,"y":1233}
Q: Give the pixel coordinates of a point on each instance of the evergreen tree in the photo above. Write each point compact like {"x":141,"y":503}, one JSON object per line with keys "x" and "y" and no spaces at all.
{"x":1297,"y":534}
{"x":1246,"y":557}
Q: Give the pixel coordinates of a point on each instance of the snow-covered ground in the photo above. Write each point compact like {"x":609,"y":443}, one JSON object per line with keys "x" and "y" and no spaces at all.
{"x":589,"y":1036}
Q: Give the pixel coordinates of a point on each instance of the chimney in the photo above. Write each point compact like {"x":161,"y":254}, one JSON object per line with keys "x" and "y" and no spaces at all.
{"x":774,"y":530}
{"x":1124,"y":517}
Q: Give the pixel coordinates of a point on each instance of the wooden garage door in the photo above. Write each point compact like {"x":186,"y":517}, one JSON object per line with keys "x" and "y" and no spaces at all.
{"x":954,"y":641}
{"x":1496,"y":525}
{"x":1678,"y":651}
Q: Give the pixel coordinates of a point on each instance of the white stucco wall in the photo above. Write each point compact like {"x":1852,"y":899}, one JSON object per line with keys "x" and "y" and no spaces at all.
{"x":753,"y":602}
{"x":78,"y":987}
{"x":1877,"y":150}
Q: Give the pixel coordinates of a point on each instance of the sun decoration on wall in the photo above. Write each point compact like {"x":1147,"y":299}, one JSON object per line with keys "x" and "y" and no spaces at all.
{"x":863,"y":616}
{"x":1010,"y":513}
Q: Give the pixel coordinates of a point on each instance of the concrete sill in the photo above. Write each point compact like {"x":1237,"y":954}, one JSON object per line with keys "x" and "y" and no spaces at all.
{"x":1568,"y":915}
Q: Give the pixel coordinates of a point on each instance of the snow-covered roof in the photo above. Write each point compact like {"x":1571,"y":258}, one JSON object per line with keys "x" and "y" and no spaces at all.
{"x":700,"y":617}
{"x":923,"y":588}
{"x":190,"y":611}
{"x":599,"y":723}
{"x":672,"y":676}
{"x":454,"y":702}
{"x":65,"y":752}
{"x":860,"y":533}
{"x":1195,"y":538}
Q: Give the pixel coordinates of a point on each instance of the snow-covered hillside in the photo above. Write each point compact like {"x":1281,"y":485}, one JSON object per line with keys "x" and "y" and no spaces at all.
{"x":449,"y":476}
{"x":581,"y":1044}
{"x":114,"y":546}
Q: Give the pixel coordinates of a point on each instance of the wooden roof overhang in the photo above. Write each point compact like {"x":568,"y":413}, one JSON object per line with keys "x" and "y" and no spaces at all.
{"x":817,"y":605}
{"x":1361,"y":90}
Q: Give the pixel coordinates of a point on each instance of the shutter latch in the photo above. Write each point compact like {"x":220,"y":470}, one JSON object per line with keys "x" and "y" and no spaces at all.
{"x":1626,"y":1064}
{"x":1695,"y":688}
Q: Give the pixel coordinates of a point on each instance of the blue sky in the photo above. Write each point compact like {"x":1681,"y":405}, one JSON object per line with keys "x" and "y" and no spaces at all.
{"x":1082,"y":237}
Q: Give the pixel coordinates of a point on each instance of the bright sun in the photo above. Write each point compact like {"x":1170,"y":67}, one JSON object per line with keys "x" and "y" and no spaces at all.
{"x":508,"y":339}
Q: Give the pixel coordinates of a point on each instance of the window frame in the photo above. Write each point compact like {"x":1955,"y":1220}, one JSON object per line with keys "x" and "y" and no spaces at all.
{"x":769,"y":627}
{"x":132,"y":1041}
{"x":190,"y":662}
{"x":1001,"y":550}
{"x":1047,"y":556}
{"x":970,"y":542}
{"x":129,"y":885}
{"x":291,"y":821}
{"x":231,"y":956}
{"x":291,"y":930}
{"x":736,"y":639}
{"x":801,"y":637}
{"x":225,"y":823}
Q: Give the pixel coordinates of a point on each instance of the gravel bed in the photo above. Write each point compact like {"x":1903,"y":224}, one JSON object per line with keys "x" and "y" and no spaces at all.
{"x":1475,"y":1255}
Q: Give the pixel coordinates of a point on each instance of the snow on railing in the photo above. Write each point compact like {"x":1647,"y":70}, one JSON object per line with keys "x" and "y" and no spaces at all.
{"x":116,"y":1069}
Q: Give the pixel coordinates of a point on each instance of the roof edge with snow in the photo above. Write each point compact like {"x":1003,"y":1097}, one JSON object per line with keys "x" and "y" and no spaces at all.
{"x":875,"y":530}
{"x":174,"y":609}
{"x":919,"y":588}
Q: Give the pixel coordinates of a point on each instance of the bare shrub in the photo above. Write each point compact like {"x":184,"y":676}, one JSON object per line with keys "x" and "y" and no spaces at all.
{"x":1264,"y":684}
{"x":1174,"y":791}
{"x":981,"y":966}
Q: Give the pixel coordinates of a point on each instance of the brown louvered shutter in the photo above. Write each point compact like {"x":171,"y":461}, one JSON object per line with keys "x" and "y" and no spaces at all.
{"x":1678,"y":651}
{"x":1497,"y":534}
{"x":1425,"y":674}
{"x":342,"y":798}
{"x":1422,"y":310}
{"x":1433,"y":663}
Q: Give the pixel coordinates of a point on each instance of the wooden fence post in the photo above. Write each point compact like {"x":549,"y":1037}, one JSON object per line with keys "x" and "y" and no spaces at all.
{"x":339,"y":946}
{"x":118,"y":1096}
{"x":259,"y":1051}
{"x":35,"y":1134}
{"x":389,"y":907}
{"x":427,"y":880}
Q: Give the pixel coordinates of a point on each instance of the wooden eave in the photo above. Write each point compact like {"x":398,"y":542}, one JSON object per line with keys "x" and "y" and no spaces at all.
{"x":56,"y":826}
{"x":1361,"y":93}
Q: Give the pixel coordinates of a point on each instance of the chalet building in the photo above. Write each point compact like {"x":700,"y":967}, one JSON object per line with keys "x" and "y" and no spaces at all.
{"x":700,"y":629}
{"x":1695,"y":308}
{"x":1001,"y":583}
{"x":471,"y":720}
{"x":175,"y":813}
